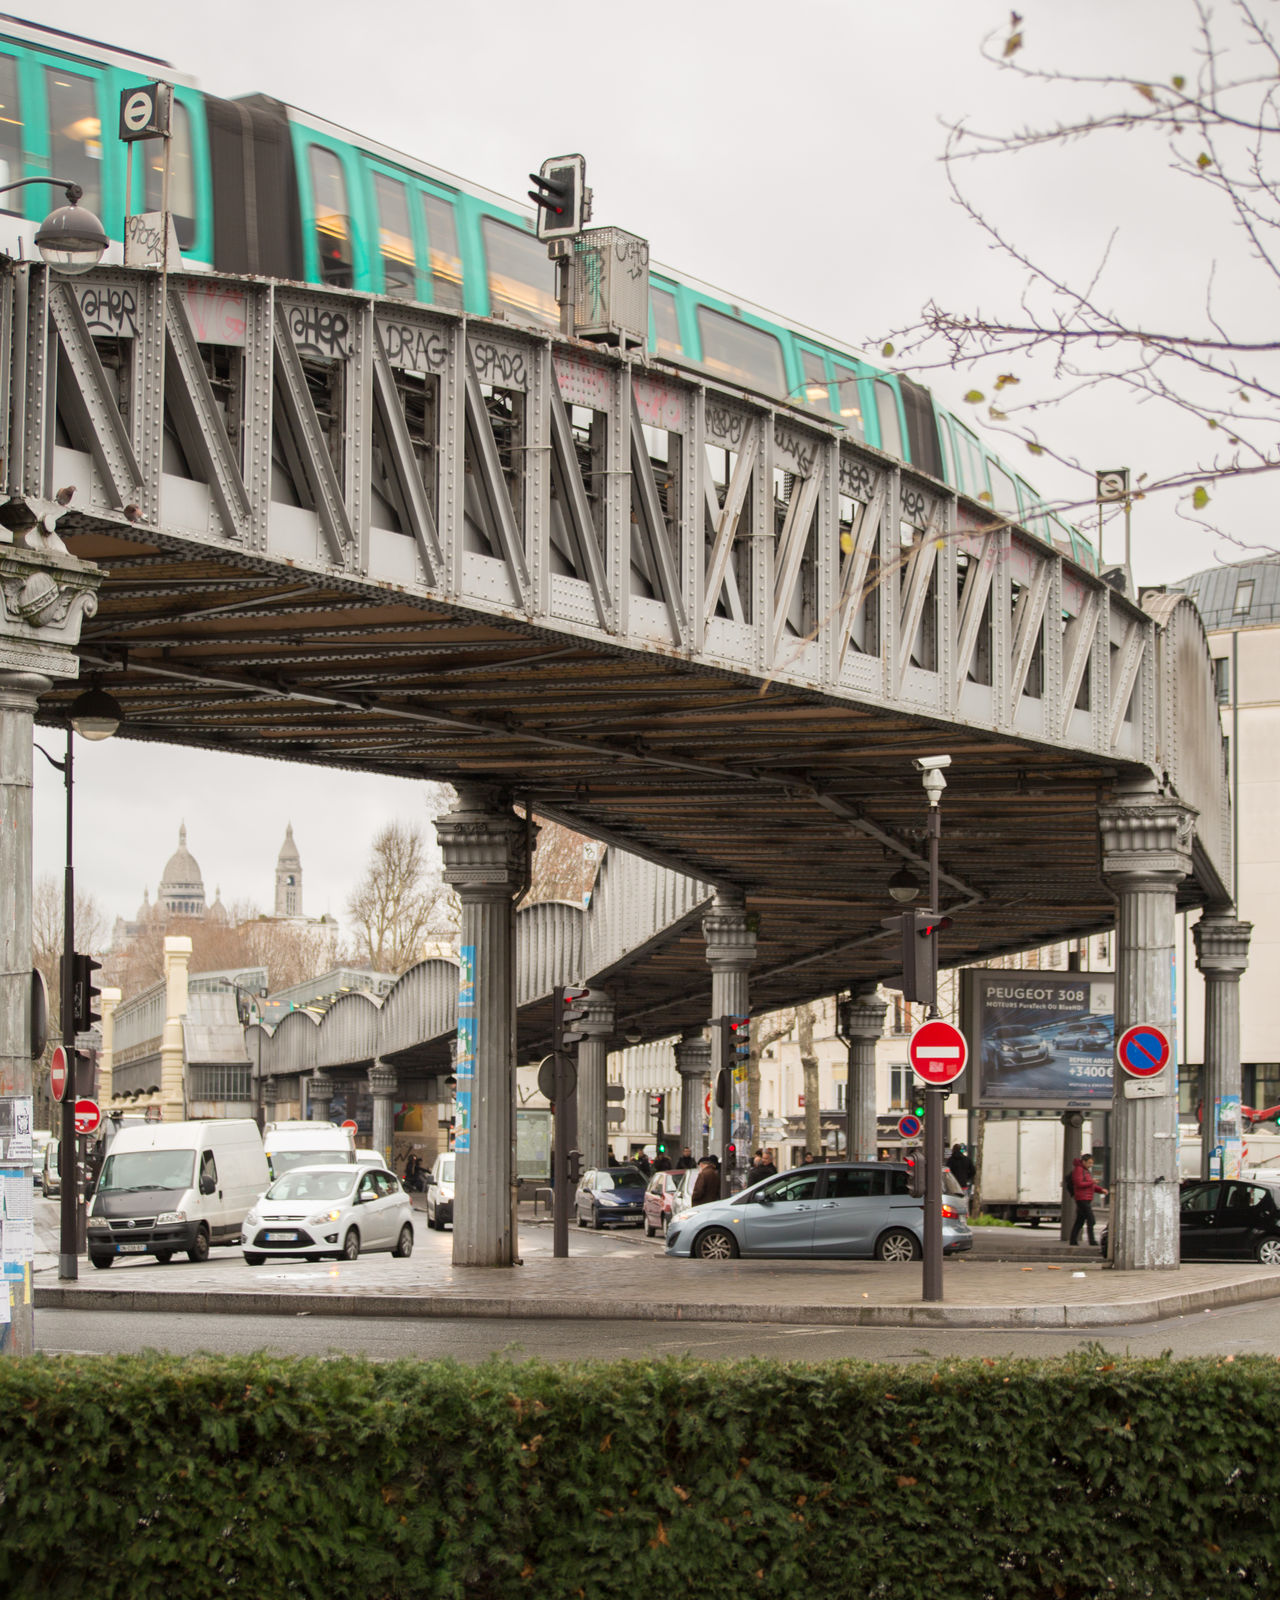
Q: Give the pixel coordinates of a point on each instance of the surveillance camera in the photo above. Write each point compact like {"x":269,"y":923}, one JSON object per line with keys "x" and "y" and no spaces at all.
{"x":930,"y":763}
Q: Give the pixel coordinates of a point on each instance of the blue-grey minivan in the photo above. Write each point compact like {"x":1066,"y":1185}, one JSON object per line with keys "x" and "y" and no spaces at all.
{"x":855,"y":1209}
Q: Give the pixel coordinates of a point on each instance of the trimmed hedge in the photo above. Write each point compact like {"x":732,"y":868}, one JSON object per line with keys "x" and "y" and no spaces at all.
{"x":158,"y":1478}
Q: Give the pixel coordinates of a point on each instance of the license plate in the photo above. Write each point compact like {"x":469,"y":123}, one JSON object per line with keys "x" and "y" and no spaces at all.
{"x":279,"y":1238}
{"x":123,"y":1247}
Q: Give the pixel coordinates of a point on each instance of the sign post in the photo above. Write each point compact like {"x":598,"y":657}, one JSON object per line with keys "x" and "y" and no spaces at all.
{"x":938,"y":1053}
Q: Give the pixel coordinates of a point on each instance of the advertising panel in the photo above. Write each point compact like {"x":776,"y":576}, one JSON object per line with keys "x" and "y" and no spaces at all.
{"x":1040,"y":1039}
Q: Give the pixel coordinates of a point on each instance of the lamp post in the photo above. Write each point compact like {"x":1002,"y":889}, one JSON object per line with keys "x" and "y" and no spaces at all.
{"x":71,"y":239}
{"x":930,"y":768}
{"x":95,"y":715}
{"x":253,"y":997}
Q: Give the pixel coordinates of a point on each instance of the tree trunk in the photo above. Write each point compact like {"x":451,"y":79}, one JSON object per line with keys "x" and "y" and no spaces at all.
{"x":809,"y":1064}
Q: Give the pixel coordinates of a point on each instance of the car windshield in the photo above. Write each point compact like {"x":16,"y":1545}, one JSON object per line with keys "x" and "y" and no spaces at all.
{"x":286,"y":1160}
{"x":620,"y":1178}
{"x":146,"y":1169}
{"x":305,"y":1185}
{"x":446,"y":1169}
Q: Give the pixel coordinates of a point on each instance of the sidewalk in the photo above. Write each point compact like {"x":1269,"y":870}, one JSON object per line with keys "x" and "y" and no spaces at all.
{"x":617,"y":1277}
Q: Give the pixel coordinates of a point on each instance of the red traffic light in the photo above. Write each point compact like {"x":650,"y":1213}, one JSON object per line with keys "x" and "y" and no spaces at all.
{"x":731,"y":1151}
{"x":927,"y":926}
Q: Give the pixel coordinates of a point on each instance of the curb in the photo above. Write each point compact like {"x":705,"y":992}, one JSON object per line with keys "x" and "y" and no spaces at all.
{"x":515,"y":1308}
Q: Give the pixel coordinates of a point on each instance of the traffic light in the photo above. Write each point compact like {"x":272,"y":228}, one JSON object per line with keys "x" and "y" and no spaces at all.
{"x":739,"y":1029}
{"x":573,"y":1165}
{"x":915,"y":1175}
{"x":919,"y":932}
{"x":570,"y":1005}
{"x":84,"y":993}
{"x":562,"y":197}
{"x":656,"y":1105}
{"x":731,"y":1153}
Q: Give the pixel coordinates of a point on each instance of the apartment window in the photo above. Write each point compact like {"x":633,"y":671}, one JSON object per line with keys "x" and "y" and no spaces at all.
{"x":1244,"y":597}
{"x":899,"y":1086}
{"x":1222,"y":678}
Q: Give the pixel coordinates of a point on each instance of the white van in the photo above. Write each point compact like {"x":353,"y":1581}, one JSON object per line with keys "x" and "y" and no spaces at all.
{"x":173,"y":1186}
{"x":307,"y":1144}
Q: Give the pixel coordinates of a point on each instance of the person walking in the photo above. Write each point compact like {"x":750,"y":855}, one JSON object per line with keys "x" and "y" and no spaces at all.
{"x":686,"y":1162}
{"x":1083,"y":1188}
{"x":707,"y":1184}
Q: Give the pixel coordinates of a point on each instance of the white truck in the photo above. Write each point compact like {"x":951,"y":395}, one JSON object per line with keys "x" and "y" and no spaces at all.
{"x":1021,"y":1174}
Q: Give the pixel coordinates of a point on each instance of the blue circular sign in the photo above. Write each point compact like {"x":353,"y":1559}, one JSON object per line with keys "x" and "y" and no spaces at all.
{"x":909,"y":1126}
{"x":1143,"y":1050}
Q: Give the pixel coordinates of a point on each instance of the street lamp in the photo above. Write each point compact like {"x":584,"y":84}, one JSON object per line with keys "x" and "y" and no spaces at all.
{"x":904,"y":886}
{"x":100,"y":715}
{"x":254,"y":997}
{"x":71,"y":239}
{"x":932,"y":777}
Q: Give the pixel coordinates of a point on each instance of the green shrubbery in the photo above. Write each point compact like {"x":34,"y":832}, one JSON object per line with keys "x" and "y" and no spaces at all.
{"x":157,"y":1478}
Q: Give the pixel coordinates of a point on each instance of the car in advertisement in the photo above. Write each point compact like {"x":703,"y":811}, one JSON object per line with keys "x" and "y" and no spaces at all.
{"x":1040,"y":1040}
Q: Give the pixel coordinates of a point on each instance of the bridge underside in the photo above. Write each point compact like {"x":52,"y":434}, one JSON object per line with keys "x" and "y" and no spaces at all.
{"x":808,"y":805}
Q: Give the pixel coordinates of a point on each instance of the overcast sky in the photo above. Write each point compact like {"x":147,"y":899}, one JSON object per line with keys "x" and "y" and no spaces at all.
{"x":789,"y":154}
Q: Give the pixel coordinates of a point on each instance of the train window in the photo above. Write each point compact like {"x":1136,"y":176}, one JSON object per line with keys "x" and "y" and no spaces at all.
{"x":442,"y":252}
{"x":522,"y":283}
{"x":849,"y":400}
{"x":887,"y":413}
{"x":1005,"y":495}
{"x":332,"y":217}
{"x":395,"y":238}
{"x":666,"y":324}
{"x":973,"y":467}
{"x":746,"y":355}
{"x":182,"y":191}
{"x":815,"y":389}
{"x":10,"y":128}
{"x":944,"y":444}
{"x":75,"y":132}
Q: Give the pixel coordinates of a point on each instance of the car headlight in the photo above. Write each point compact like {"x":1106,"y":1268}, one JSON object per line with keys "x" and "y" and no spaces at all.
{"x":446,"y":1191}
{"x":251,"y":1221}
{"x":324,"y":1216}
{"x":171,"y":1216}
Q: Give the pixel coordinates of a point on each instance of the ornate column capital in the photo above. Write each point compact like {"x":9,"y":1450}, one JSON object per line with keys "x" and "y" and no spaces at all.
{"x":861,"y":1017}
{"x":270,"y":1090}
{"x":693,"y":1056}
{"x":1222,"y":946}
{"x":730,"y":932}
{"x":483,"y":843}
{"x":383,"y":1080}
{"x":322,"y":1087}
{"x":1146,"y":835}
{"x":44,"y":598}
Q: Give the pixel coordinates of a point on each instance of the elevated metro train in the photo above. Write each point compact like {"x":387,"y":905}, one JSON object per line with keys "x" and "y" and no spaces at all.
{"x":258,"y":187}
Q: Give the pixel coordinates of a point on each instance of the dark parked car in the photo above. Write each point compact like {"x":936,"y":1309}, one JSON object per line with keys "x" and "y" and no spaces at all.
{"x":1012,"y":1046}
{"x":1092,"y":1036}
{"x":609,"y":1195}
{"x":1230,"y":1219}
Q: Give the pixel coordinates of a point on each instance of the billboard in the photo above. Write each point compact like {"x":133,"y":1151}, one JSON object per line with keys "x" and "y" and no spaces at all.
{"x":1040,"y":1040}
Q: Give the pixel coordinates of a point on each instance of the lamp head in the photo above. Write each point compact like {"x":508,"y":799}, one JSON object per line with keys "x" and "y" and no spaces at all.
{"x":96,"y":714}
{"x":903,"y":885}
{"x":71,"y":239}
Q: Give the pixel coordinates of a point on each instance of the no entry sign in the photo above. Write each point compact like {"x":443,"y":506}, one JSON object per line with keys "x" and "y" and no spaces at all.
{"x":58,"y":1073}
{"x":351,"y":1126}
{"x":937,"y":1052}
{"x":1143,"y":1050}
{"x":88,"y":1116}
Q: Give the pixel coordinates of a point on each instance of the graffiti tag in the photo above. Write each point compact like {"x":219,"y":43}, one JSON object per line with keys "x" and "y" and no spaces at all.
{"x":420,"y":349}
{"x":796,"y":445}
{"x":496,"y":365}
{"x":109,"y":310}
{"x":726,"y":425}
{"x":320,"y":330}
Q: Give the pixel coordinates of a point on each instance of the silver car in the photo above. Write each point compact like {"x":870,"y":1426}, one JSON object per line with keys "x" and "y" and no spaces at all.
{"x":853,"y":1210}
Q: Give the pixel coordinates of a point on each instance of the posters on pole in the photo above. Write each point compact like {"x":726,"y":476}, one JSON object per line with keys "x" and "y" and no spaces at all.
{"x":1040,"y":1039}
{"x":466,"y":1064}
{"x":1227,"y":1156}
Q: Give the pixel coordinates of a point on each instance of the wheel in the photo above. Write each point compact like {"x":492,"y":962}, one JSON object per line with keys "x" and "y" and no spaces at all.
{"x":199,"y":1251}
{"x":597,"y":1221}
{"x":649,"y":1230}
{"x":582,"y":1221}
{"x":101,"y":1262}
{"x":897,"y":1245}
{"x":350,"y":1246}
{"x":1268,"y":1252}
{"x":404,"y":1244}
{"x":1035,"y":1222}
{"x":164,"y":1257}
{"x":254,"y":1260}
{"x":716,"y":1244}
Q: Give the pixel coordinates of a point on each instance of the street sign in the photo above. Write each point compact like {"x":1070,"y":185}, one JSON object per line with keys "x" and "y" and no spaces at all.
{"x":58,"y":1073}
{"x":88,"y":1116}
{"x":1145,"y":1088}
{"x":145,"y":112}
{"x":1143,"y":1050}
{"x":351,"y":1125}
{"x":909,"y":1126}
{"x":937,"y":1052}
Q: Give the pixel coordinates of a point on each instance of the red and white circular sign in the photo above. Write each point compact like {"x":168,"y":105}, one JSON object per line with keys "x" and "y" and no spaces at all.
{"x":58,"y":1073}
{"x":88,"y":1116}
{"x":1143,"y":1050}
{"x":938,"y":1052}
{"x":350,"y":1125}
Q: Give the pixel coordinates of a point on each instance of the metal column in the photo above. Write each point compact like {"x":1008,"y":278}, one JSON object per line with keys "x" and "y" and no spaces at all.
{"x":593,"y":1056}
{"x":320,"y":1091}
{"x":1222,"y":954}
{"x":731,"y":948}
{"x":861,"y":1024}
{"x":693,"y":1063}
{"x":383,"y":1082}
{"x":1146,"y":852}
{"x":484,"y":845}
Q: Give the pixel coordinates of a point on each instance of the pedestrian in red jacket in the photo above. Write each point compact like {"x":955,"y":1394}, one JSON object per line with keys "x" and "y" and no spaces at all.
{"x":1083,"y":1188}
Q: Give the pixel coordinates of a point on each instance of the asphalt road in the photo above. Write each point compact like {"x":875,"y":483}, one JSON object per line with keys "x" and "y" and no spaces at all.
{"x":1237,"y":1330}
